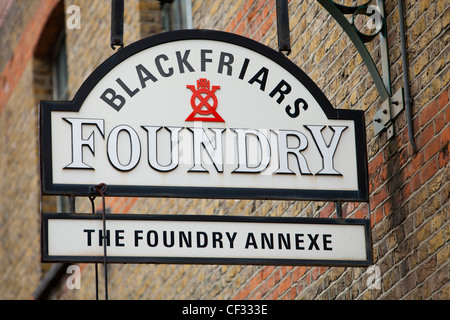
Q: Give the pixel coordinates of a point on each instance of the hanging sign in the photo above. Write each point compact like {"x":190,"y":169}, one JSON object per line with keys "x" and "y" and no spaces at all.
{"x":202,"y":114}
{"x":206,"y":239}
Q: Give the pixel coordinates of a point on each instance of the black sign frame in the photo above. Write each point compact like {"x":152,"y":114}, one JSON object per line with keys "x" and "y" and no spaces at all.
{"x":206,"y":260}
{"x":46,"y":108}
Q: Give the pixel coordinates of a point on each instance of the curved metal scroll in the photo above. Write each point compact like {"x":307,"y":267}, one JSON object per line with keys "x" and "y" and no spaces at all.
{"x":358,"y":38}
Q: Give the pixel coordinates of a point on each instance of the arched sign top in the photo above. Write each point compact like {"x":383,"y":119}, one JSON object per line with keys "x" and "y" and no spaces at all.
{"x":199,"y":113}
{"x":206,"y":36}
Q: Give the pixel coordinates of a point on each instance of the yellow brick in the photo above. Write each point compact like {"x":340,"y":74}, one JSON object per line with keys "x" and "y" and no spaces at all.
{"x":436,"y":86}
{"x":436,"y":29}
{"x":418,"y":28}
{"x":332,"y":38}
{"x":196,"y":5}
{"x":319,"y":54}
{"x":214,"y":7}
{"x":436,"y":242}
{"x":443,"y":256}
{"x":354,"y":98}
{"x":148,"y":5}
{"x":445,"y":294}
{"x":446,"y":78}
{"x":420,"y":64}
{"x":423,"y":5}
{"x":421,"y":234}
{"x":446,"y":18}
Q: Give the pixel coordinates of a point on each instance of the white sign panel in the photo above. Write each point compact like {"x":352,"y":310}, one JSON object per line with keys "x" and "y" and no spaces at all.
{"x":207,"y":239}
{"x":203,"y":114}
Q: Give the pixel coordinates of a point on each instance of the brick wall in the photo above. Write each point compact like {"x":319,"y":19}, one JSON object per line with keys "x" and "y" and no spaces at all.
{"x":409,"y":191}
{"x":19,"y":161}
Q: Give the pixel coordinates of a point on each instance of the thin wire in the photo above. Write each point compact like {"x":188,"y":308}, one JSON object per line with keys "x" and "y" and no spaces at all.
{"x":92,"y":198}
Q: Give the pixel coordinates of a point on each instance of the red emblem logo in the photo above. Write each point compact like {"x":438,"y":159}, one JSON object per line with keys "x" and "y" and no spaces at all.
{"x":204,"y":102}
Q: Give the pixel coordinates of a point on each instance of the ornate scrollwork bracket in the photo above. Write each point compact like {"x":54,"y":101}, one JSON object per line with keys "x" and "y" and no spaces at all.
{"x":376,"y":14}
{"x":392,"y":103}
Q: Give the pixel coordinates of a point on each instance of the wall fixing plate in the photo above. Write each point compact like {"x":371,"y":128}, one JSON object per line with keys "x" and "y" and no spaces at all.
{"x":389,"y":110}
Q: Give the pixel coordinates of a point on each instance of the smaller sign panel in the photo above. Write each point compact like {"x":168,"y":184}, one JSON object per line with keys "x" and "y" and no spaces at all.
{"x":197,"y":239}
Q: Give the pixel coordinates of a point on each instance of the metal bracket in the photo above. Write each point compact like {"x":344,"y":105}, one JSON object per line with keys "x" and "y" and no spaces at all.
{"x":392,"y":104}
{"x":117,"y":10}
{"x":383,"y":118}
{"x":284,"y":42}
{"x":359,"y":39}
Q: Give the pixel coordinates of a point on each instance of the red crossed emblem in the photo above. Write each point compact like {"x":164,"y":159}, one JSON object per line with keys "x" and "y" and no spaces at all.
{"x":204,"y":102}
